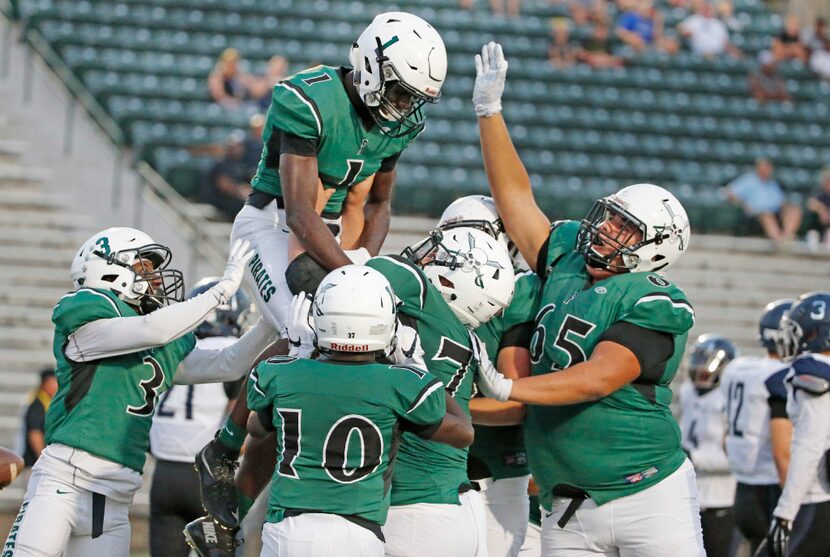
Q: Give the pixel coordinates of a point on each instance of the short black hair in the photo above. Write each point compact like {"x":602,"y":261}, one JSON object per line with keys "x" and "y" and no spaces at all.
{"x":46,"y":373}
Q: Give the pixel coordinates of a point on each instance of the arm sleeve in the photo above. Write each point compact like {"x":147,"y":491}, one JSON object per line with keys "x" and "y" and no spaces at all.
{"x":517,"y":335}
{"x":777,"y":408}
{"x":230,"y":363}
{"x":105,"y":338}
{"x":420,"y":395}
{"x":666,"y":310}
{"x":652,"y":348}
{"x":811,"y":425}
{"x":296,"y":145}
{"x":388,"y":164}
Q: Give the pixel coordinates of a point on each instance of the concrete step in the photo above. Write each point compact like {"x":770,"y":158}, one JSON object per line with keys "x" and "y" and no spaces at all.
{"x":58,"y":258}
{"x":15,"y":173}
{"x":752,"y":263}
{"x":16,"y":316}
{"x":28,"y":338}
{"x":24,"y":360}
{"x":44,"y":219}
{"x":761,"y":280}
{"x":32,"y":200}
{"x":20,"y":381}
{"x":56,"y":276}
{"x":41,"y":237}
{"x":31,"y":296}
{"x":11,"y":150}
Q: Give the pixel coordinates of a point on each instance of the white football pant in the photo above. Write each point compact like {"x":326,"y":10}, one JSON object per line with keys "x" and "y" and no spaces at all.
{"x":506,"y":506}
{"x":320,"y":535}
{"x":533,"y":542}
{"x":661,"y":521}
{"x":56,"y":518}
{"x":432,"y":529}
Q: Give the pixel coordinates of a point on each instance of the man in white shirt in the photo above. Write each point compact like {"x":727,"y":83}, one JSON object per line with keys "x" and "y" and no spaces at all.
{"x":707,"y":35}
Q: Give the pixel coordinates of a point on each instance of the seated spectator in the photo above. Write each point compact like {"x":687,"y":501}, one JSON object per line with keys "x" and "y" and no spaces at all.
{"x":228,"y":183}
{"x":819,"y":205}
{"x":642,"y":27}
{"x":765,"y":84}
{"x":707,"y":35}
{"x":820,"y":59}
{"x":505,"y":7}
{"x":227,"y":83}
{"x":584,"y":12}
{"x":253,"y":141}
{"x":32,"y":437}
{"x":275,"y":71}
{"x":787,"y":45}
{"x":726,"y":13}
{"x":813,"y":37}
{"x":596,"y":50}
{"x":560,"y":51}
{"x":761,"y":197}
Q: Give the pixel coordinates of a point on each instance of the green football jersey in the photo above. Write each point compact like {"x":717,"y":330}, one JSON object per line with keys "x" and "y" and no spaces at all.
{"x":627,"y":441}
{"x":313,"y":104}
{"x":105,"y":407}
{"x":426,"y":471}
{"x":501,"y":450}
{"x":338,"y":426}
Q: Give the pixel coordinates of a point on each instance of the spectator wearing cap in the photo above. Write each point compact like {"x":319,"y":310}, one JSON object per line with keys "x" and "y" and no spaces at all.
{"x":819,"y":205}
{"x":706,"y":34}
{"x":228,"y":183}
{"x":765,"y":84}
{"x":787,"y":45}
{"x":32,"y":437}
{"x":761,"y":197}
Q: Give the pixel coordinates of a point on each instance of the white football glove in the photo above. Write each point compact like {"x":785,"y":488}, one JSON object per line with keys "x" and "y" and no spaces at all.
{"x":491,"y":71}
{"x":298,"y":330}
{"x":489,"y":381}
{"x":407,"y":348}
{"x":234,"y":270}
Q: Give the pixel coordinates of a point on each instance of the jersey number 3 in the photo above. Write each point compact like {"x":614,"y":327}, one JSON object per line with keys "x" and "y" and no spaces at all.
{"x":151,"y":389}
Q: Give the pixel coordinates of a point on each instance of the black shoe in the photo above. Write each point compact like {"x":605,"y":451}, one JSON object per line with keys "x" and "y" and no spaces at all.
{"x":216,"y":477}
{"x":210,"y":539}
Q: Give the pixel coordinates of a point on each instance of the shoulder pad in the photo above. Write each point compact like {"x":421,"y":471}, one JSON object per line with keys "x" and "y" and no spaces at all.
{"x":775,"y":384}
{"x":812,"y":384}
{"x":808,"y":365}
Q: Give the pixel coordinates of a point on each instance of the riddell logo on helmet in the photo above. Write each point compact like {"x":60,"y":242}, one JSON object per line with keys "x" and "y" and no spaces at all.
{"x":431,"y":91}
{"x":349,"y":347}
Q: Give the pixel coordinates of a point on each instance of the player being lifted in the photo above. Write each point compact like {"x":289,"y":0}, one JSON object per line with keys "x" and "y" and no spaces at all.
{"x":335,"y":127}
{"x":338,"y":419}
{"x":600,"y":437}
{"x":120,"y":342}
{"x":759,"y":430}
{"x":703,"y":423}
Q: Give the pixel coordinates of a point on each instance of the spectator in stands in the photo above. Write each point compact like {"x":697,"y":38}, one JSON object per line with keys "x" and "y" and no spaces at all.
{"x":228,"y":184}
{"x":819,"y":206}
{"x":496,"y":6}
{"x":253,"y":141}
{"x":33,"y":427}
{"x":560,"y":51}
{"x":227,"y":83}
{"x":275,"y":71}
{"x":641,"y":28}
{"x":707,"y":35}
{"x":596,"y":50}
{"x":813,"y":37}
{"x":761,"y":197}
{"x":765,"y":84}
{"x":584,"y":12}
{"x":787,"y":45}
{"x":726,"y":13}
{"x":820,"y":59}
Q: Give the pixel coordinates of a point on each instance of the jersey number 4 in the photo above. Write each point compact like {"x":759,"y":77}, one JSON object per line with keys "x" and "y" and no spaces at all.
{"x":335,"y":448}
{"x":150,"y":387}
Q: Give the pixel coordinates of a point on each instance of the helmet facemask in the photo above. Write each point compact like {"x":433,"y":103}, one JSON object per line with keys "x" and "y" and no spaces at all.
{"x":154,"y":284}
{"x":789,"y":342}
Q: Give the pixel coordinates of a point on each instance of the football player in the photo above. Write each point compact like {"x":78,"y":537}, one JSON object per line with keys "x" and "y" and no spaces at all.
{"x":186,"y":418}
{"x":601,"y":440}
{"x":800,"y":520}
{"x":758,"y":429}
{"x":120,"y":342}
{"x":337,"y":420}
{"x":703,"y":425}
{"x":497,"y":463}
{"x":327,"y":130}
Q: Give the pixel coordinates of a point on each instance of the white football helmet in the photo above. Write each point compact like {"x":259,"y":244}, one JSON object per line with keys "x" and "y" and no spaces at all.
{"x":479,"y":211}
{"x":106,"y":260}
{"x":647,"y":208}
{"x":399,"y":64}
{"x":354,"y":310}
{"x":473,"y":272}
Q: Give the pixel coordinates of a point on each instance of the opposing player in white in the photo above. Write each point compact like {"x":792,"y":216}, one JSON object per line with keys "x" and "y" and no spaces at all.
{"x":801,"y":520}
{"x":759,"y":431}
{"x":186,"y":418}
{"x":120,"y":342}
{"x":703,"y":425}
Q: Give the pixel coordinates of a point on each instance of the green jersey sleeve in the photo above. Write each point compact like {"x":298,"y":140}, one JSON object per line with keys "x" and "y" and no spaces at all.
{"x":81,"y":307}
{"x":525,"y":302}
{"x":408,"y":281}
{"x":658,"y":304}
{"x":562,"y":241}
{"x":260,"y":389}
{"x":420,"y":395}
{"x":293,"y":111}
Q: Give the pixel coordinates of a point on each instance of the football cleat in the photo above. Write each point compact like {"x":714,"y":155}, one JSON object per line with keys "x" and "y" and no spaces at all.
{"x":210,"y":539}
{"x":216,"y":478}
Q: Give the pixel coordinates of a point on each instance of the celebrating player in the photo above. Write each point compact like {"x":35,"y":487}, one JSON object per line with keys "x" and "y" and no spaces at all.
{"x":799,"y":523}
{"x":339,"y":128}
{"x":337,"y":419}
{"x":759,"y":431}
{"x":703,"y":424}
{"x":186,"y":418}
{"x":120,"y":342}
{"x":609,"y":336}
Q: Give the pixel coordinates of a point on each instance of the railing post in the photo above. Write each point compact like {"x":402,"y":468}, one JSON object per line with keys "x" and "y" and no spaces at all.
{"x":69,"y":126}
{"x":138,"y":203}
{"x":6,"y":52}
{"x":28,"y":74}
{"x":117,"y":178}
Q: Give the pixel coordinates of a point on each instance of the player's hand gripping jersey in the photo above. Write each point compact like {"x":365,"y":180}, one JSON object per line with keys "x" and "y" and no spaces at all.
{"x":624,"y":442}
{"x":335,"y":443}
{"x":426,"y":471}
{"x":313,"y":106}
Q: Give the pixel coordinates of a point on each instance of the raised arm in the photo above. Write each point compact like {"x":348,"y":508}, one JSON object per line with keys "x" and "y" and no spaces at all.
{"x":509,"y":182}
{"x":378,"y":211}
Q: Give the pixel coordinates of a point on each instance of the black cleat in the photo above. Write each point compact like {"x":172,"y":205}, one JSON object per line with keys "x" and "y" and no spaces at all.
{"x":210,"y":539}
{"x":216,"y":477}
